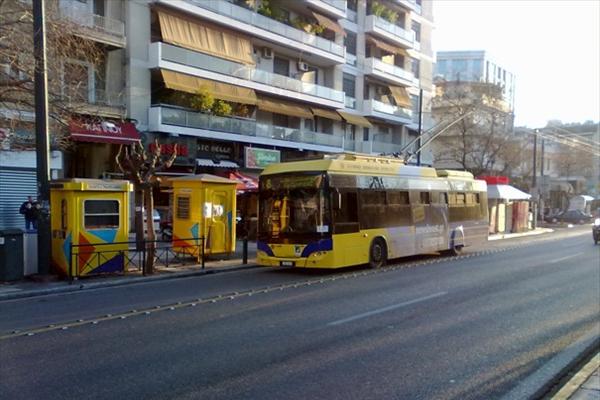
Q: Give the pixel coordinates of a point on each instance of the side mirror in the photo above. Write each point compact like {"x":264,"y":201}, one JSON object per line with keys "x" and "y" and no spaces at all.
{"x":337,"y":200}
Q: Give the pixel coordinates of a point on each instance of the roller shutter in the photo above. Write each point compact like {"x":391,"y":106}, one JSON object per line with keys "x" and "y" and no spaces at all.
{"x":15,"y":186}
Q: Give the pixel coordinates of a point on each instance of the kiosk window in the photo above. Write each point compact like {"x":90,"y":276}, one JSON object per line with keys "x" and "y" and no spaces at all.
{"x":101,"y":214}
{"x":183,"y":207}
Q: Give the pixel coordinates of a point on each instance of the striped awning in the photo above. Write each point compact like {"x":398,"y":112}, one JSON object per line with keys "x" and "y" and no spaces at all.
{"x":355,"y":119}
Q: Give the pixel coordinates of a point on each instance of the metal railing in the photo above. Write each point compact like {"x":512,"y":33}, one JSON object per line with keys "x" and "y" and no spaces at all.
{"x":133,"y":256}
{"x":399,"y":32}
{"x":103,"y":24}
{"x":240,"y":126}
{"x":226,"y":67}
{"x":350,"y":102}
{"x":260,"y":21}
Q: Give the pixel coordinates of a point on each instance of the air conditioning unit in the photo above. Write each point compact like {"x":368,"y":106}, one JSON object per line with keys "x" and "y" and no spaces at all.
{"x":302,"y":66}
{"x":267,"y":52}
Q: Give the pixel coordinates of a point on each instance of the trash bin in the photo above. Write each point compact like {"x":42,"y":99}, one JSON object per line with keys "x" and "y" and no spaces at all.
{"x":11,"y":254}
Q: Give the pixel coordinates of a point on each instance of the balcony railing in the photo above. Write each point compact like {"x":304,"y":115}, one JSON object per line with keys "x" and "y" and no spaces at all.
{"x":393,"y":29}
{"x":103,"y":25}
{"x":204,"y":61}
{"x":360,"y":146}
{"x":84,"y":95}
{"x":260,"y":21}
{"x":350,"y":102}
{"x":339,"y":4}
{"x":378,"y":106}
{"x":376,"y":65}
{"x":246,"y":127}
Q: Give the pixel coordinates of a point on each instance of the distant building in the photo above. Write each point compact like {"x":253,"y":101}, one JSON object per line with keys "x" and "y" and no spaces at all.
{"x":475,"y":66}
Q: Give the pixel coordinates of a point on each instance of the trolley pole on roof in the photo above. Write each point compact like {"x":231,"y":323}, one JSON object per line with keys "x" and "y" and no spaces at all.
{"x":420,"y":125}
{"x":41,"y":136}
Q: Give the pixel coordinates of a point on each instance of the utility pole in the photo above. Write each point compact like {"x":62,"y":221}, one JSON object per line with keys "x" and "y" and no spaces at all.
{"x":41,"y":136}
{"x":420,"y":126}
{"x":534,"y":182}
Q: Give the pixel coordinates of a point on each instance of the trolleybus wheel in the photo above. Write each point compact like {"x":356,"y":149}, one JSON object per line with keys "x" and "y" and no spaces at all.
{"x":454,"y":251}
{"x":377,"y":253}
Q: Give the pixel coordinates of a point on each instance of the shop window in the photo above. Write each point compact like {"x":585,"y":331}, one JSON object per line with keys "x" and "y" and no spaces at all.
{"x":183,"y":207}
{"x":101,"y":214}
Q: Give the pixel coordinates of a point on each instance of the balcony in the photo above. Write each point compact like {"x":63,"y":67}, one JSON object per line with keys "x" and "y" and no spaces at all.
{"x":162,"y":55}
{"x":387,"y":112}
{"x":260,"y":27}
{"x":95,"y":27}
{"x":350,"y":102}
{"x":411,"y":5}
{"x":94,"y":101}
{"x":389,"y":72}
{"x":333,"y":8}
{"x":369,"y":147}
{"x":180,"y":121}
{"x":380,"y":27}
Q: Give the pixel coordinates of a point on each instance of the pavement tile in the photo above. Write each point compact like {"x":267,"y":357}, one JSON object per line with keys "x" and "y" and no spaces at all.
{"x":585,"y":394}
{"x":593,"y":383}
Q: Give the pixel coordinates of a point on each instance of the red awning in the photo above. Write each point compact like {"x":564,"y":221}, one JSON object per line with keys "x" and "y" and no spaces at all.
{"x":245,"y":183}
{"x":104,"y":132}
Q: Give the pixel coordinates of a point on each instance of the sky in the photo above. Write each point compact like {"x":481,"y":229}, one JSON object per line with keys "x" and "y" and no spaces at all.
{"x":552,"y":47}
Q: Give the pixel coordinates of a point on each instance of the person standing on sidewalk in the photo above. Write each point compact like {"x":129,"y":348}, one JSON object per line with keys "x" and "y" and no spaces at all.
{"x":28,"y":211}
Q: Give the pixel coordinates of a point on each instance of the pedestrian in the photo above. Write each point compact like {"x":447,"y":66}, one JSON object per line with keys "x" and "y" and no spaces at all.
{"x":37,"y":210}
{"x":28,"y":211}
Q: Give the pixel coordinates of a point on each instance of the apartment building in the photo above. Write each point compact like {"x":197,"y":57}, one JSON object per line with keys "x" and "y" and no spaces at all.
{"x":475,"y":66}
{"x":301,"y":77}
{"x":238,"y":84}
{"x":86,"y":81}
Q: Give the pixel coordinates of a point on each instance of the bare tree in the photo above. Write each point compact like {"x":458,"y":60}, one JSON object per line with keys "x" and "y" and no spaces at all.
{"x":480,"y":142}
{"x":67,"y":82}
{"x":140,"y":167}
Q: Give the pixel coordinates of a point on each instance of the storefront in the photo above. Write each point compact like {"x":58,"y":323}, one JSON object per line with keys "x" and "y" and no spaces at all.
{"x":96,"y":145}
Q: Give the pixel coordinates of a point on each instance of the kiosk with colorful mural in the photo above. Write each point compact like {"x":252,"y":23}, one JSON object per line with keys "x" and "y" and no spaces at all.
{"x":90,"y":225}
{"x":203,"y":209}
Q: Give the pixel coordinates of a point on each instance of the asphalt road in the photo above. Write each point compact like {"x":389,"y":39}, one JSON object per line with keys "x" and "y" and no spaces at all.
{"x":483,"y":326}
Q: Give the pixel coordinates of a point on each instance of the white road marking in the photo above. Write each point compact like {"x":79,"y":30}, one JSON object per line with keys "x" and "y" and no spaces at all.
{"x":385,"y":309}
{"x":565,"y":258}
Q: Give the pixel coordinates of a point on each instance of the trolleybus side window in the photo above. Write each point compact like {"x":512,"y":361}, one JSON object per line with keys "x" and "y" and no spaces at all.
{"x":101,"y":214}
{"x":346,"y":215}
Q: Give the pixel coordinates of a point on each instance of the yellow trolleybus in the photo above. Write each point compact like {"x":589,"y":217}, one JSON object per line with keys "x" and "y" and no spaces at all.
{"x":354,"y":209}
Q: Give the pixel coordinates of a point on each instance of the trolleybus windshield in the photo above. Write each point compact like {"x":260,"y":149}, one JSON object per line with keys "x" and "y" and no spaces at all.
{"x":293,"y":207}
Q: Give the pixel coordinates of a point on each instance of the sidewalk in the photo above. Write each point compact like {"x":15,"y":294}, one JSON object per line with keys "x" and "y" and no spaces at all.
{"x":537,"y":231}
{"x":51,"y":285}
{"x":584,"y":385}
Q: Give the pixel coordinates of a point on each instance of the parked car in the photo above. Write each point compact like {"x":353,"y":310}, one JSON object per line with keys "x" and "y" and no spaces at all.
{"x":571,"y":217}
{"x":596,"y":230}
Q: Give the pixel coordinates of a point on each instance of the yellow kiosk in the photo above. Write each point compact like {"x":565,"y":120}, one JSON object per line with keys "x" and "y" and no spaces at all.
{"x":90,"y":225}
{"x":203,"y":207}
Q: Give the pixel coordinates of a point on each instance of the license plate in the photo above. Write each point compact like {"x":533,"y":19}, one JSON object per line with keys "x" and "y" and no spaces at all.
{"x":286,"y":263}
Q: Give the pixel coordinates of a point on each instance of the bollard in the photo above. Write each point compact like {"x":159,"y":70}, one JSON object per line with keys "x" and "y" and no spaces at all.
{"x":245,"y":251}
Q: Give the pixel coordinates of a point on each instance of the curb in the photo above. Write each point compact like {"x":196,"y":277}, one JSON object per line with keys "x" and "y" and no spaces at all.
{"x":578,"y":379}
{"x":76,"y":286}
{"x":538,"y":231}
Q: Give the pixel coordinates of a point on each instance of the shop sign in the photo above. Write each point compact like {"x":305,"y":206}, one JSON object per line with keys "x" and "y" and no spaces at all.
{"x":104,"y":132}
{"x":169,"y":148}
{"x":215,"y":150}
{"x":260,"y":158}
